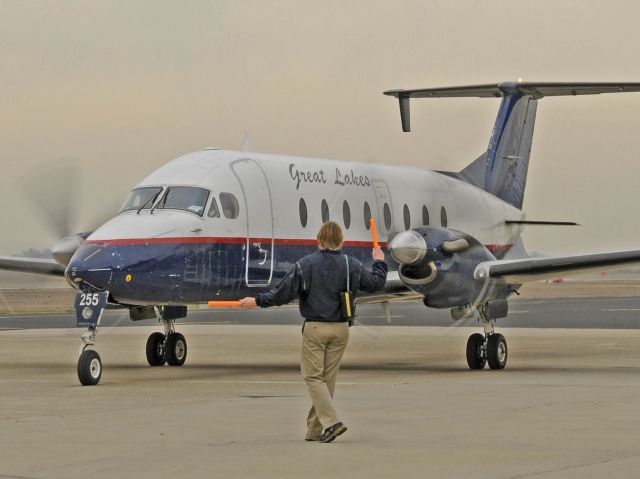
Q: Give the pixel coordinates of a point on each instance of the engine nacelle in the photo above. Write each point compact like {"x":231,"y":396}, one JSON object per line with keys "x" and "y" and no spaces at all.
{"x":439,"y":263}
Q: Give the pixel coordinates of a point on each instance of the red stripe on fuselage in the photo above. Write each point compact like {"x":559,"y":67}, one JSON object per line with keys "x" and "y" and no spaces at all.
{"x":217,"y":239}
{"x":211,"y":239}
{"x":241,"y":240}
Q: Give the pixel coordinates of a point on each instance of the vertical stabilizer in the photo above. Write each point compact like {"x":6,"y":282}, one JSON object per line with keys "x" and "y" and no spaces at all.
{"x":510,"y":148}
{"x":502,"y":169}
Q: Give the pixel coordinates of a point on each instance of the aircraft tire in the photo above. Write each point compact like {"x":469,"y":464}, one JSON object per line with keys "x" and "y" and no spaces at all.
{"x":475,"y":358}
{"x":175,"y":349}
{"x":155,"y":349}
{"x":89,"y":368}
{"x":497,"y":351}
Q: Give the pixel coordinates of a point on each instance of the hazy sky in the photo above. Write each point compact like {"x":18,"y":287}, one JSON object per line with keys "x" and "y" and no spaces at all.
{"x":123,"y":87}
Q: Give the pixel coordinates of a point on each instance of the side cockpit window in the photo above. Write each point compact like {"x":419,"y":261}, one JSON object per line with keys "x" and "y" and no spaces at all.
{"x":214,"y":212}
{"x":230,"y":206}
{"x":187,"y":198}
{"x":141,"y":198}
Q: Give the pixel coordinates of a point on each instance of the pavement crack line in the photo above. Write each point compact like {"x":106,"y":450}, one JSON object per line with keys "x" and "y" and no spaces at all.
{"x":567,"y":468}
{"x":3,"y":476}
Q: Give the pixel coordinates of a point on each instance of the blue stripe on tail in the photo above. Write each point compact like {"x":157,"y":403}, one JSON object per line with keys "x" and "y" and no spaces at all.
{"x":507,"y":157}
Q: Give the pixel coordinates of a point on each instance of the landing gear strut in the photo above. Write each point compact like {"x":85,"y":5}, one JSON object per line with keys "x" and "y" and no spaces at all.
{"x":490,"y":347}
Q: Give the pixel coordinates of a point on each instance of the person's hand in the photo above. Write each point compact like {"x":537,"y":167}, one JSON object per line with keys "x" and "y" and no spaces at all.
{"x":377,"y":254}
{"x":248,"y":302}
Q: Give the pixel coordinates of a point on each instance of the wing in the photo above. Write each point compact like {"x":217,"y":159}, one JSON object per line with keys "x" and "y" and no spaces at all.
{"x":394,"y":290}
{"x":534,"y":269}
{"x":31,"y":265}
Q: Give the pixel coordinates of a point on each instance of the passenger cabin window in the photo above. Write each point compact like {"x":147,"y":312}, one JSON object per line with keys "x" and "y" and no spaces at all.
{"x":346,"y":214}
{"x":303,"y":212}
{"x":367,"y":216}
{"x":230,"y":206}
{"x":187,"y":198}
{"x":141,"y":198}
{"x":387,"y":216}
{"x":325,"y":211}
{"x":443,"y":217}
{"x":407,"y":217}
{"x":214,"y":212}
{"x":425,"y":215}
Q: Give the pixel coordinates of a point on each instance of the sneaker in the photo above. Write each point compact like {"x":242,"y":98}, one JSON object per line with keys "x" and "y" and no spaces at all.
{"x":311,"y":438}
{"x":332,"y":432}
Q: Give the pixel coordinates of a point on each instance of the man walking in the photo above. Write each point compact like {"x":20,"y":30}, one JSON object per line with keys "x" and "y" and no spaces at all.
{"x":319,"y":280}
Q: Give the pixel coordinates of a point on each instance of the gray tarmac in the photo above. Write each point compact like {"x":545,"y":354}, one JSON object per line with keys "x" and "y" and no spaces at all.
{"x":595,"y":312}
{"x":566,"y":406}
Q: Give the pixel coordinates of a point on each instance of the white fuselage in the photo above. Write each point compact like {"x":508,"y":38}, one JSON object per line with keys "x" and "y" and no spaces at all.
{"x":269,"y":189}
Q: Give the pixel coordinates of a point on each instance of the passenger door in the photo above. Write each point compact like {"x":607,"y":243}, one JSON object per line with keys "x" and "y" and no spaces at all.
{"x":384,"y":221}
{"x":259,"y":216}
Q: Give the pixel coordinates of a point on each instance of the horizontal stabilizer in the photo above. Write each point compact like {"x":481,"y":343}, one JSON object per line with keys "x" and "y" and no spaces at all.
{"x":31,"y":265}
{"x":534,"y":269}
{"x":535,"y":90}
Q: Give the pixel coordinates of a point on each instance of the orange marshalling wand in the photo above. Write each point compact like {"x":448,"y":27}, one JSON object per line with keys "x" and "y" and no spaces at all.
{"x":374,"y":232}
{"x":225,"y":304}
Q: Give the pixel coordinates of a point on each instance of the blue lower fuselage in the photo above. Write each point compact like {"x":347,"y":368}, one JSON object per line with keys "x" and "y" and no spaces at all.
{"x":181,"y":272}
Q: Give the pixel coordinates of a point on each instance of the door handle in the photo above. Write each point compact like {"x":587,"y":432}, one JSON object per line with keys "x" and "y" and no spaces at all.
{"x":263,"y":252}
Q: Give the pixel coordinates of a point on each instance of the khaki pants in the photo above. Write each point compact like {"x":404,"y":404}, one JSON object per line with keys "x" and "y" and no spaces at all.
{"x":323,"y":345}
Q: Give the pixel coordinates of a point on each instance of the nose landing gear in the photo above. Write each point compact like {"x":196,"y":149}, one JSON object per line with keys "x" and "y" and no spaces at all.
{"x":89,"y":363}
{"x":89,"y":308}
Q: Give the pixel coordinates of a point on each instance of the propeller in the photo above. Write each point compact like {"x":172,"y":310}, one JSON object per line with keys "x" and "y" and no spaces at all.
{"x":53,"y":190}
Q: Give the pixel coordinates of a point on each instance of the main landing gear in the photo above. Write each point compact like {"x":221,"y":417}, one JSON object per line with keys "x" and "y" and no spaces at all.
{"x":170,"y":347}
{"x":490,"y":347}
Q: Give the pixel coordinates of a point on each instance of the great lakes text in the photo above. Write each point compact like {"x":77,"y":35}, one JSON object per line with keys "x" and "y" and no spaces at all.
{"x":342,"y":178}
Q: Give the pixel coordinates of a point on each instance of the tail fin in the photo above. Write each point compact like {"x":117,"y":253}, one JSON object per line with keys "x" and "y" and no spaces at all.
{"x":502,"y":169}
{"x":510,"y":147}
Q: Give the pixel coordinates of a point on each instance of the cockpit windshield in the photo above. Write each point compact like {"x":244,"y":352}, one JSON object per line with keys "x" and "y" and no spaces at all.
{"x":188,"y":198}
{"x":141,"y":198}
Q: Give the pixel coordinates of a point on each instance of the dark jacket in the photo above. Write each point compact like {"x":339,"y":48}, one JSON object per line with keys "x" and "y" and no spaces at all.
{"x":318,"y":280}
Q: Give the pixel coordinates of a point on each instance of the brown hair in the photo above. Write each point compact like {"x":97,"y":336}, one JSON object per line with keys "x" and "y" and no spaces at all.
{"x":330,"y":236}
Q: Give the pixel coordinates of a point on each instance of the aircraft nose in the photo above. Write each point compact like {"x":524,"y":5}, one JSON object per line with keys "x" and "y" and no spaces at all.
{"x":92,"y":267}
{"x":408,"y":247}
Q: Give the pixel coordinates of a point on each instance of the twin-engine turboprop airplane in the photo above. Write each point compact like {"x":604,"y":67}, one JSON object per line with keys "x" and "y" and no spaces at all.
{"x":222,"y":225}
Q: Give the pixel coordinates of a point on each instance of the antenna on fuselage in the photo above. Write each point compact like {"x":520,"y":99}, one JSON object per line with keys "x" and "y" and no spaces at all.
{"x":246,"y":141}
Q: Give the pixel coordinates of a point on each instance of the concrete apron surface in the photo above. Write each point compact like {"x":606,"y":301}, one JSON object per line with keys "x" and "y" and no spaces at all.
{"x":567,"y":405}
